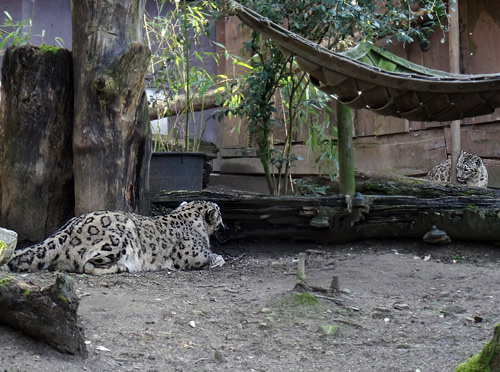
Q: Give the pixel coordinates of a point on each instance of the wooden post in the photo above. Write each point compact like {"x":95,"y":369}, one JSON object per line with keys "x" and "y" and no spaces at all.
{"x":112,"y":134}
{"x":345,"y":143}
{"x":454,"y":56}
{"x":36,"y":123}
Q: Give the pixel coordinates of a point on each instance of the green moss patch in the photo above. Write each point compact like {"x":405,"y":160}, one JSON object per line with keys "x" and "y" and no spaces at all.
{"x":300,"y":299}
{"x":487,"y":360}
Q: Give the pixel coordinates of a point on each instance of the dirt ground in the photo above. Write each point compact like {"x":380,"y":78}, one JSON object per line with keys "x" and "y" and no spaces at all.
{"x":403,"y":306}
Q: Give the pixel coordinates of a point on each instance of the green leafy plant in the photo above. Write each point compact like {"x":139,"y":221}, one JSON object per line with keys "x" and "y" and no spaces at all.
{"x":335,"y":24}
{"x":306,"y":186}
{"x":15,"y":32}
{"x":457,"y":258}
{"x":173,"y":36}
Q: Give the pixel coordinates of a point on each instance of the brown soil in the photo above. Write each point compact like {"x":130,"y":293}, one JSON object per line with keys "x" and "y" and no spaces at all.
{"x":404,"y":306}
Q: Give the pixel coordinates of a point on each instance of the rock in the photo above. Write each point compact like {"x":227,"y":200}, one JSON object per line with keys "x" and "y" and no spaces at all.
{"x":401,"y":306}
{"x":8,"y":242}
{"x":381,"y":313}
{"x":218,"y":356}
{"x":436,"y":236}
{"x":454,"y":309}
{"x":328,"y":330}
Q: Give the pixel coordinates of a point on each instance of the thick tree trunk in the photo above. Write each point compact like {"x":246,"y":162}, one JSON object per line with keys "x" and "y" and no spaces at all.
{"x":112,"y":134}
{"x":36,"y":174}
{"x":48,"y":314}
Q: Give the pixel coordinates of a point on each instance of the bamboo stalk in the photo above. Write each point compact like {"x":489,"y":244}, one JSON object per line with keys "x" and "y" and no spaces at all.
{"x":454,"y":55}
{"x":345,"y":145}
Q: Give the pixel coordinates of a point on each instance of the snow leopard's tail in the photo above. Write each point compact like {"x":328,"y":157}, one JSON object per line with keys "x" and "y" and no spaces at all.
{"x":41,"y":256}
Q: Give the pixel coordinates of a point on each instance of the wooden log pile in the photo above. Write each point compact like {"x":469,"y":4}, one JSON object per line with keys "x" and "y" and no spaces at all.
{"x":463,"y":215}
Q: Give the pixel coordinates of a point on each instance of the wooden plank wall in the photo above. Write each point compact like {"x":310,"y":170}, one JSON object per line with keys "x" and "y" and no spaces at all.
{"x":397,"y":146}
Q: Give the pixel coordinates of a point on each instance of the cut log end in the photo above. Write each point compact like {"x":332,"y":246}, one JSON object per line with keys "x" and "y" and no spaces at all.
{"x":48,"y":314}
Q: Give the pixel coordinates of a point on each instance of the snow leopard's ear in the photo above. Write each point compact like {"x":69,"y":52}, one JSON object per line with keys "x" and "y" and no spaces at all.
{"x":212,"y":215}
{"x":182,"y":203}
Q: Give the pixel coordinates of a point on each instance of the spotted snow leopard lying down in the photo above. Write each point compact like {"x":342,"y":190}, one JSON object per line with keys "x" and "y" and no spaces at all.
{"x":110,"y":242}
{"x":470,"y":171}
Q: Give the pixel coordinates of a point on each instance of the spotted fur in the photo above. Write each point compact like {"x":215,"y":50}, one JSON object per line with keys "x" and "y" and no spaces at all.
{"x":470,"y":171}
{"x":109,"y":242}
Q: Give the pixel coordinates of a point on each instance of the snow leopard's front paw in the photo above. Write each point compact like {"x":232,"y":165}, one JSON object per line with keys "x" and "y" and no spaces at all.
{"x":216,"y":260}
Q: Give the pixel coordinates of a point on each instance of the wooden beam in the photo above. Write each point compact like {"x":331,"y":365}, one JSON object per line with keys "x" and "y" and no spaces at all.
{"x":166,"y":108}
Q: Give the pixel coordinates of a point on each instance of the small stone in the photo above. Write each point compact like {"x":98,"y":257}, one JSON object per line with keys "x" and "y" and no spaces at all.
{"x":328,"y":330}
{"x":102,"y":348}
{"x":218,"y":356}
{"x":381,"y":313}
{"x":454,"y":309}
{"x":436,"y":236}
{"x":334,"y":285}
{"x":192,"y":324}
{"x":265,"y":326}
{"x":401,"y":306}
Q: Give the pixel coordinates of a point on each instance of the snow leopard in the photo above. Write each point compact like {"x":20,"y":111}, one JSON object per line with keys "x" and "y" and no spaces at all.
{"x":107,"y":242}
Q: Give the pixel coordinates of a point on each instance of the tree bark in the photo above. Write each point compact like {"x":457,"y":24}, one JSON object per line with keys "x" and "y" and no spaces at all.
{"x":112,"y":134}
{"x":48,"y":314}
{"x":337,"y":219}
{"x":36,"y":174}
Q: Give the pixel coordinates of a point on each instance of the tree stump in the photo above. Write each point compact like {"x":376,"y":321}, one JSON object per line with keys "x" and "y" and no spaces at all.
{"x":112,"y":134}
{"x":36,"y":121}
{"x":48,"y":314}
{"x":488,"y":359}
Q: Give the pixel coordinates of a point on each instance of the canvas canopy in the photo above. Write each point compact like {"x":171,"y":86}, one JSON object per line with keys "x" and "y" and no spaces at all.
{"x":372,"y":78}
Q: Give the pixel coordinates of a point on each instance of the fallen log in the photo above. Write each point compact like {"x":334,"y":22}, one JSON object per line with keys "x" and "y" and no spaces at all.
{"x":378,"y":184}
{"x":48,"y":314}
{"x":338,"y":219}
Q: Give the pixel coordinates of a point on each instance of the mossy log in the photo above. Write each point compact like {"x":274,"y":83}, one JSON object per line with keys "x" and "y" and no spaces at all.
{"x":112,"y":134}
{"x":337,"y":218}
{"x":488,"y":359}
{"x":48,"y":314}
{"x":36,"y":129}
{"x":377,"y":184}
